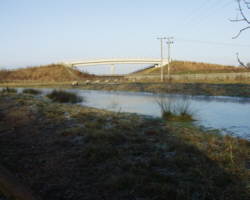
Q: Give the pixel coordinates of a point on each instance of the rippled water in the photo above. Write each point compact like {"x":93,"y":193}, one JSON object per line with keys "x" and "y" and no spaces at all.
{"x":229,"y":114}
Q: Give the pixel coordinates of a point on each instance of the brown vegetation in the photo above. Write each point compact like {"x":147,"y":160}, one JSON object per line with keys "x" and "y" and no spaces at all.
{"x":186,"y":67}
{"x":48,"y":73}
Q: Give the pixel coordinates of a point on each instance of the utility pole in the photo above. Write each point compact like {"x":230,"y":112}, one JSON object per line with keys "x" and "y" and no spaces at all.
{"x":113,"y":69}
{"x":162,"y":72}
{"x":169,"y":42}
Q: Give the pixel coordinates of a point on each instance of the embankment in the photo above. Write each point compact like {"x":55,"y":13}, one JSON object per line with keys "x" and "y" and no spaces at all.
{"x":64,"y":151}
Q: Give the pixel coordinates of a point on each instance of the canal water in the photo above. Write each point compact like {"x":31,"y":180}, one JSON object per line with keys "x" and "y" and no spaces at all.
{"x":229,"y":114}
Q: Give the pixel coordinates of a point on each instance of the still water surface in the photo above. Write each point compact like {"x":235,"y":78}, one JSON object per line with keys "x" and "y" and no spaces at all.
{"x":229,"y":114}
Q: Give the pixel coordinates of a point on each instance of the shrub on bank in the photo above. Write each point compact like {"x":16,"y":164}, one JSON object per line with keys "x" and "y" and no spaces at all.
{"x":9,"y":90}
{"x":64,"y":97}
{"x":175,"y":110}
{"x":31,"y":91}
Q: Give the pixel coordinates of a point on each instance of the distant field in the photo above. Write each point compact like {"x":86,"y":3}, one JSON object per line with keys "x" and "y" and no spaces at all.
{"x":187,"y":67}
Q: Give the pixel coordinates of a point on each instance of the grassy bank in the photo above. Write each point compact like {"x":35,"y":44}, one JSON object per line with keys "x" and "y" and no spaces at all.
{"x":189,"y":67}
{"x":47,"y":73}
{"x":64,"y":151}
{"x":241,"y":90}
{"x":236,"y":90}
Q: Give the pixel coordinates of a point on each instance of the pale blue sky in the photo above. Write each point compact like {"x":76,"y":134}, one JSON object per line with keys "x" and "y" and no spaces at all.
{"x":36,"y":32}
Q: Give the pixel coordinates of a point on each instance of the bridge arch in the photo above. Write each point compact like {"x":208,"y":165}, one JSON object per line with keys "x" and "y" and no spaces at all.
{"x":115,"y":61}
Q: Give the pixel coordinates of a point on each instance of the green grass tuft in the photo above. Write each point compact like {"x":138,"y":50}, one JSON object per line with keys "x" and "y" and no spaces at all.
{"x":175,"y":110}
{"x":31,"y":91}
{"x":64,"y":97}
{"x":175,"y":117}
{"x":9,"y":90}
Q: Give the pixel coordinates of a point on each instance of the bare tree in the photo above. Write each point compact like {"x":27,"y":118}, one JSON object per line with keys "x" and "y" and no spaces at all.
{"x":239,"y":61}
{"x":243,"y":5}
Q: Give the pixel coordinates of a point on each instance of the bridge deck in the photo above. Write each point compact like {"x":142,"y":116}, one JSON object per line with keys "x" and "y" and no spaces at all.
{"x":114,"y":61}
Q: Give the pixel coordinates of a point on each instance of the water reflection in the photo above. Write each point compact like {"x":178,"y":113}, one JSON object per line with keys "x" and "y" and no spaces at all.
{"x":230,"y":114}
{"x":226,"y":113}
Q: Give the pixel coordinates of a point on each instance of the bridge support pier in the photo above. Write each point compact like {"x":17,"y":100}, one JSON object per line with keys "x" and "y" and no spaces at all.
{"x":112,"y":69}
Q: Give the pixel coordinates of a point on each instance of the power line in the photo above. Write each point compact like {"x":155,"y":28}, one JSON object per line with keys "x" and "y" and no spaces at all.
{"x":195,"y":11}
{"x":211,"y":10}
{"x":201,"y":11}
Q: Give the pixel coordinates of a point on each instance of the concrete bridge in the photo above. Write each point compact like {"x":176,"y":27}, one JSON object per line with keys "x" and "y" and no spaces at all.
{"x":116,"y":61}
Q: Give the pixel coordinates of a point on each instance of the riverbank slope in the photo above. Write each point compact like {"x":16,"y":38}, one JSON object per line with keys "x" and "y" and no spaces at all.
{"x":64,"y":151}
